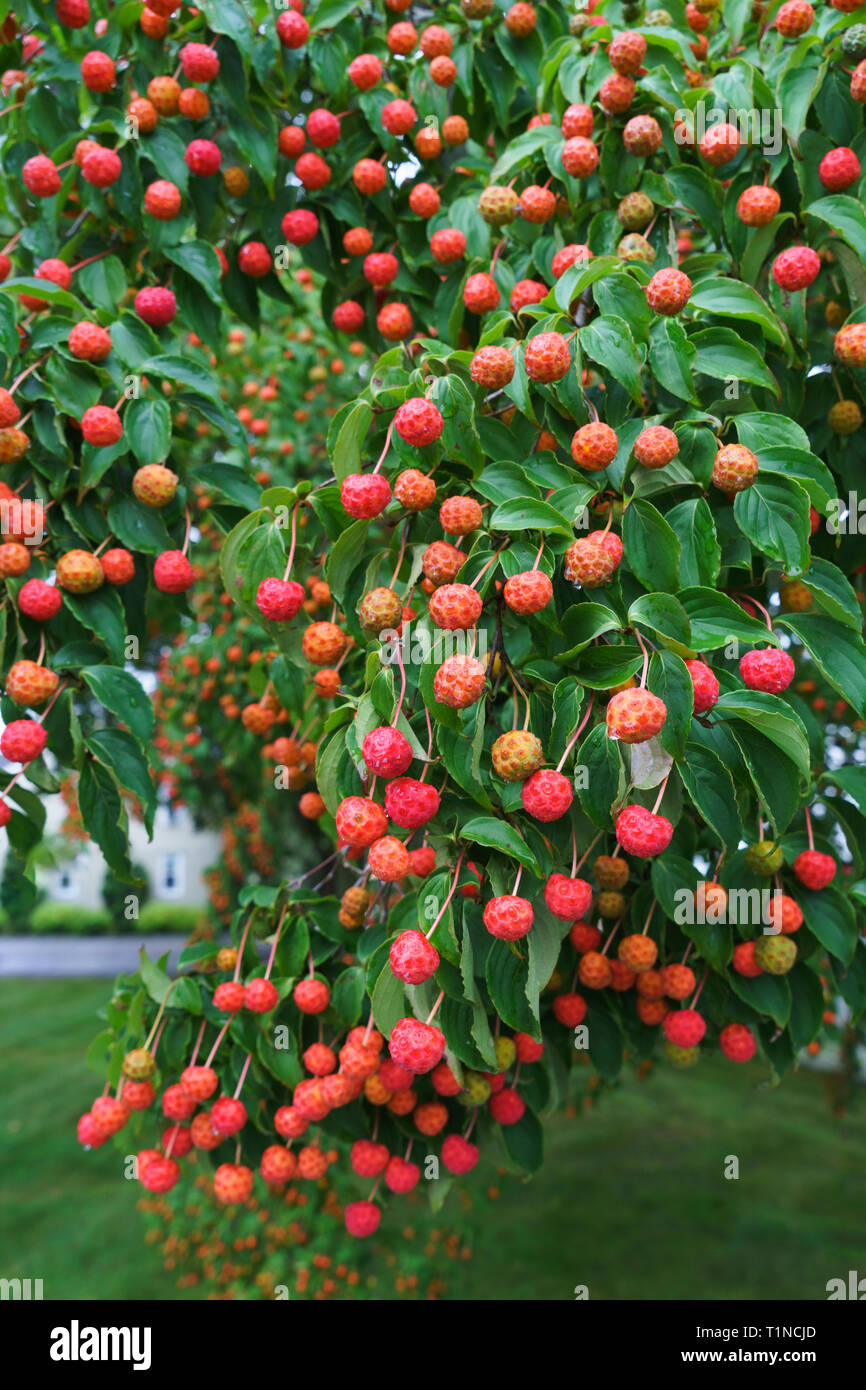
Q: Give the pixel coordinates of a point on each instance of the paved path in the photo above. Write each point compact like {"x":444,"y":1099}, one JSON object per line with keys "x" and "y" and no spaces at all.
{"x":96,"y":956}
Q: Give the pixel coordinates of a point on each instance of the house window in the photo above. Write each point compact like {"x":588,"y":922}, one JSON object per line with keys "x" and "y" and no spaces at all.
{"x":67,"y":887}
{"x":171,"y":878}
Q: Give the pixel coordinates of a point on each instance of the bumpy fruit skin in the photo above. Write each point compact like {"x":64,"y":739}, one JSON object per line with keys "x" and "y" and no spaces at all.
{"x":89,"y":341}
{"x":796,"y":268}
{"x":704,"y":685}
{"x":775,"y":954}
{"x":173,"y":573}
{"x":784,"y":913}
{"x":498,"y":205}
{"x":592,"y":560}
{"x":767,"y":669}
{"x":97,"y":71}
{"x":814,"y":869}
{"x":279,"y":600}
{"x":758,"y":205}
{"x":39,"y":600}
{"x":229,"y":996}
{"x":569,"y":1009}
{"x":260,"y":996}
{"x":573,"y":254}
{"x":681,"y":1057}
{"x":721,"y":144}
{"x":547,"y":357}
{"x":744,"y":961}
{"x":323,"y":643}
{"x":641,"y":833}
{"x":360,"y":821}
{"x":594,"y":446}
{"x":418,"y":422}
{"x":79,"y":572}
{"x":416,"y":1046}
{"x":160,"y":1175}
{"x":386,"y":752}
{"x":736,"y":1040}
{"x":455,"y":607}
{"x":633,"y":716}
{"x":528,"y":592}
{"x":459,"y":682}
{"x":567,"y":898}
{"x":656,"y":447}
{"x":29,"y":684}
{"x":154,"y":485}
{"x":794,"y":18}
{"x":516,"y":755}
{"x":118,"y":566}
{"x":579,"y":157}
{"x":228,"y":1115}
{"x":362,"y":1219}
{"x":410,"y":803}
{"x":684,"y":1027}
{"x":460,"y":516}
{"x":638,"y":953}
{"x":413,"y":958}
{"x":610,"y":872}
{"x":546,"y":795}
{"x":765,"y":858}
{"x":199,"y":1082}
{"x":506,"y":1106}
{"x":365,"y":495}
{"x":508,"y":917}
{"x":642,"y":136}
{"x":845,"y":417}
{"x":458,"y":1154}
{"x":311,"y":996}
{"x":492,"y":367}
{"x":526,"y":292}
{"x":481,"y":293}
{"x":388,"y":859}
{"x":537,"y":205}
{"x":442,"y":562}
{"x":162,"y":200}
{"x":414,"y":490}
{"x":233,"y":1182}
{"x":734,"y":468}
{"x":849,"y":345}
{"x":668,"y":291}
{"x":101,"y":425}
{"x":839,"y":169}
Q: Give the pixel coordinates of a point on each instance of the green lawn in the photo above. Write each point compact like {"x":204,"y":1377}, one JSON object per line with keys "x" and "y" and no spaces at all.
{"x":631,"y":1202}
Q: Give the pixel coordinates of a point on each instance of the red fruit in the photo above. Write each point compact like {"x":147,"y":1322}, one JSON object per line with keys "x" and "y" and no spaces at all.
{"x":176,"y":1104}
{"x":254,"y":259}
{"x":101,"y":168}
{"x":767,"y":669}
{"x":418,"y":422}
{"x":40,"y":176}
{"x":73,"y":14}
{"x":849,"y":345}
{"x":592,"y":560}
{"x":594,"y":446}
{"x":9,"y":411}
{"x":656,"y":447}
{"x":365,"y":71}
{"x":796,"y":268}
{"x":684,"y":1027}
{"x":233,"y":1182}
{"x":401,"y":1176}
{"x":677,"y":981}
{"x":39,"y":600}
{"x":424,"y":201}
{"x":380,"y":268}
{"x":292,"y":29}
{"x":138,"y":1095}
{"x":204,"y":1136}
{"x":413,"y":958}
{"x":546,"y":795}
{"x":416,"y":1046}
{"x":323,"y":128}
{"x":177,"y":1141}
{"x":626,"y":51}
{"x":574,"y":254}
{"x":577,"y":120}
{"x":368,"y":1159}
{"x":528,"y":592}
{"x":794,"y":18}
{"x":441,"y":562}
{"x":579,"y":157}
{"x":444,"y":1081}
{"x":118,"y":566}
{"x":738,"y":1042}
{"x":637,"y":953}
{"x":101,"y":426}
{"x":744,"y":961}
{"x":784,"y":913}
{"x":410,"y":803}
{"x":734,"y":468}
{"x":508,"y":917}
{"x":362,"y":1218}
{"x":229,"y":997}
{"x":200,"y":62}
{"x":28,"y":683}
{"x":704,"y":684}
{"x":388,"y":859}
{"x":641,"y":833}
{"x":160,"y":1175}
{"x":492,"y":367}
{"x":506,"y":1107}
{"x":97,"y":71}
{"x":199,"y":1082}
{"x":162,"y":200}
{"x":584,"y":937}
{"x":365,"y":495}
{"x":369,"y":177}
{"x":615,"y":95}
{"x":547,"y":357}
{"x":203,"y":158}
{"x":386,"y":752}
{"x":459,"y":516}
{"x":279,"y":600}
{"x":459,"y":682}
{"x":527,"y":1049}
{"x":173,"y":573}
{"x":228,"y":1115}
{"x":22,"y":740}
{"x":839,"y":169}
{"x":157,"y":306}
{"x":89,"y":341}
{"x":814,"y":870}
{"x":481,"y":293}
{"x":537,"y":205}
{"x":289,"y":1123}
{"x":567,"y":898}
{"x":758,"y":205}
{"x":323,"y":643}
{"x":455,"y":607}
{"x":668,"y":291}
{"x":458,"y":1155}
{"x":635,"y":716}
{"x":595,"y":970}
{"x":422,"y":861}
{"x":642,"y":135}
{"x":526,"y":292}
{"x":300,"y":226}
{"x":260,"y":996}
{"x":311,"y":996}
{"x":570,"y":1009}
{"x":721,"y":144}
{"x":277,"y":1165}
{"x":360,"y":821}
{"x":110,"y":1114}
{"x":398,"y":117}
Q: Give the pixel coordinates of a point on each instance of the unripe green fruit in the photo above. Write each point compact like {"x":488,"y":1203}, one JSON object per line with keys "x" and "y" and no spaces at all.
{"x":854,"y":42}
{"x":636,"y":212}
{"x":635,"y":247}
{"x":658,"y":18}
{"x":578,"y":23}
{"x":681,"y":1057}
{"x":506,"y":1053}
{"x":139,"y":1065}
{"x":775,"y":954}
{"x":476,"y":1090}
{"x":765,"y":858}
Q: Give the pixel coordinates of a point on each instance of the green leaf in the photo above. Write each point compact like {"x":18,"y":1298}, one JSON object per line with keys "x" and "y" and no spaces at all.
{"x":525,"y":1141}
{"x":732,"y":299}
{"x":529,"y":514}
{"x":836,"y":650}
{"x":608,"y":341}
{"x":723,"y":354}
{"x":103,"y":282}
{"x":711,"y":789}
{"x":775,"y":779}
{"x":672,"y":358}
{"x":771,"y":716}
{"x":605,"y":1039}
{"x":153,"y":977}
{"x":387,"y":1001}
{"x":807,"y":1005}
{"x":499,"y":835}
{"x":147,"y":426}
{"x":766,"y":994}
{"x":832,"y":592}
{"x":104,"y":818}
{"x":602,"y":781}
{"x":700,"y":552}
{"x":583,"y":622}
{"x":346,"y":453}
{"x":831,"y":918}
{"x":119,"y":752}
{"x":717,"y":620}
{"x":101,"y":612}
{"x":347,"y":995}
{"x":651,"y":546}
{"x":668,"y":678}
{"x":774,"y":515}
{"x":507,"y":974}
{"x":665,"y":615}
{"x":121,"y":693}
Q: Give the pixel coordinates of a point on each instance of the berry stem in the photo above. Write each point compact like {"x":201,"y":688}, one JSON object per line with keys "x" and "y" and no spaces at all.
{"x":185,"y":546}
{"x":243,"y":1076}
{"x":279,"y":927}
{"x":432,"y":1014}
{"x":403,"y":540}
{"x":809,"y":831}
{"x":517,"y":880}
{"x":747,"y":598}
{"x":399,"y":705}
{"x":198,"y":1041}
{"x":451,"y":890}
{"x":156,"y":1021}
{"x":98,"y":257}
{"x":606,"y":947}
{"x":577,"y":733}
{"x":699,"y":988}
{"x":381,"y":458}
{"x":18,"y":380}
{"x":587,"y":852}
{"x":218,"y":1039}
{"x":294,"y":536}
{"x":660,"y":797}
{"x":649,"y":918}
{"x":486,"y":566}
{"x":646,"y":657}
{"x":238,"y":962}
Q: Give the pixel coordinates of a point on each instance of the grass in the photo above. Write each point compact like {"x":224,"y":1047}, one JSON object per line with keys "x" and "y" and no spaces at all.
{"x":632,"y":1200}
